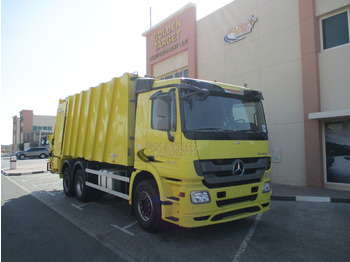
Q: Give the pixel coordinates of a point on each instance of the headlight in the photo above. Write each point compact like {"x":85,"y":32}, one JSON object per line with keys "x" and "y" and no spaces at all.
{"x":200,"y":197}
{"x":266,"y":187}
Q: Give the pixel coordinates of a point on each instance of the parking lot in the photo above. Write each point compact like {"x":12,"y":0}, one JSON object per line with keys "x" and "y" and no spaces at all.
{"x":290,"y":231}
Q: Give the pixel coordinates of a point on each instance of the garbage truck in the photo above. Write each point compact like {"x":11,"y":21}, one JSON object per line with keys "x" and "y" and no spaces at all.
{"x":184,"y":151}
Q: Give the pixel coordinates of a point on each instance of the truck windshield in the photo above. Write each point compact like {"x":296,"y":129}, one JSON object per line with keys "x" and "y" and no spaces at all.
{"x":223,"y":116}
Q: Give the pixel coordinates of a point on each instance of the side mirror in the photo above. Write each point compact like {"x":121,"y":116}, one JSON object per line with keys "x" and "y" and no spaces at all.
{"x":143,"y":85}
{"x":164,"y":124}
{"x":202,"y":95}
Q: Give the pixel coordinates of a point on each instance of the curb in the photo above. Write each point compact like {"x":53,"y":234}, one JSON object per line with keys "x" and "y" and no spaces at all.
{"x":20,"y":174}
{"x":311,"y":199}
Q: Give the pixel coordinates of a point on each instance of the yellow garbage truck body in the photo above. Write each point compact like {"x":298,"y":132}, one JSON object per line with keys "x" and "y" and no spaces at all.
{"x":184,"y":151}
{"x":97,"y":124}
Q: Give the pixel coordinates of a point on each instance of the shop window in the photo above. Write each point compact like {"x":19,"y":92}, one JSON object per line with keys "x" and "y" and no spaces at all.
{"x":181,"y":73}
{"x":185,"y":73}
{"x":169,"y":77}
{"x":338,"y":151}
{"x":335,"y":30}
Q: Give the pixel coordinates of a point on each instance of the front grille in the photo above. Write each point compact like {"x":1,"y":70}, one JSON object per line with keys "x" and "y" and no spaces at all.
{"x":221,"y":184}
{"x":219,"y":172}
{"x":229,"y":172}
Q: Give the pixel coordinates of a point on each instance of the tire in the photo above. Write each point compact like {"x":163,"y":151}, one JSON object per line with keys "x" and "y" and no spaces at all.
{"x":68,"y":183}
{"x":22,"y":157}
{"x":82,"y":192}
{"x":147,"y":206}
{"x":42,"y":156}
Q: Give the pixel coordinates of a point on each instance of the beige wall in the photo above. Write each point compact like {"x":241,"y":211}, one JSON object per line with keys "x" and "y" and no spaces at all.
{"x":171,"y":64}
{"x":334,"y":67}
{"x":268,"y":59}
{"x":325,"y":6}
{"x":334,"y":63}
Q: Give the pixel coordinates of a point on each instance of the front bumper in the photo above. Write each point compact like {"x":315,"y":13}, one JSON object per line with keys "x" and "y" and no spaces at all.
{"x":227,"y":204}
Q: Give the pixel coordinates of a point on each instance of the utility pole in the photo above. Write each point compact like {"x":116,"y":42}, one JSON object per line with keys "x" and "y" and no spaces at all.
{"x":150,"y":17}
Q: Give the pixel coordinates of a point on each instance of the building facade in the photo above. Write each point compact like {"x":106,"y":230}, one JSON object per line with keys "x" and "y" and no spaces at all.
{"x":297,"y":52}
{"x":31,"y":129}
{"x":172,"y":45}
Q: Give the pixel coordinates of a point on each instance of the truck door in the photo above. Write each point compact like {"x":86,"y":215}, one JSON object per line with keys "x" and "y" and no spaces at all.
{"x":163,"y":147}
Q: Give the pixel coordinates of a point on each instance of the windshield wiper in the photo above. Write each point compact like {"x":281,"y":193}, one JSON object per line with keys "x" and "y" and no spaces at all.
{"x":215,"y":130}
{"x":249,"y":131}
{"x":201,"y":93}
{"x":252,"y":133}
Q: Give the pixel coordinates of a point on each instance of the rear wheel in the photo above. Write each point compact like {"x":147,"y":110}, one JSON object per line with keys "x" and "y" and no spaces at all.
{"x":147,"y":206}
{"x":42,"y":156}
{"x":82,"y":192}
{"x":68,"y":185}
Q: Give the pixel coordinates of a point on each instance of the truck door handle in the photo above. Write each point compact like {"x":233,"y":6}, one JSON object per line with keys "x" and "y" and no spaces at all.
{"x":151,"y":159}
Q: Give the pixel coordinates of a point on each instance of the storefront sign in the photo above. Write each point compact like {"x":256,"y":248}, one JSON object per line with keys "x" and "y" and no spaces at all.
{"x":176,"y":34}
{"x":237,"y":32}
{"x":168,"y":35}
{"x":168,"y":39}
{"x":169,"y":49}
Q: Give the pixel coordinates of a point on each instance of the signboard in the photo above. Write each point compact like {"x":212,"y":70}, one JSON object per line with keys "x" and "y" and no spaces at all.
{"x":175,"y":35}
{"x":167,"y":39}
{"x":237,"y":32}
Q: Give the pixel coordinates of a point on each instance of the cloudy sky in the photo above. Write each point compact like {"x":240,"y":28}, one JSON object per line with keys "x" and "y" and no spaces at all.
{"x":54,"y":48}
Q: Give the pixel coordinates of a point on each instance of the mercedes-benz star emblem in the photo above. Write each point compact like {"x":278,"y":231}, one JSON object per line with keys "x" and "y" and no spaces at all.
{"x":238,"y":167}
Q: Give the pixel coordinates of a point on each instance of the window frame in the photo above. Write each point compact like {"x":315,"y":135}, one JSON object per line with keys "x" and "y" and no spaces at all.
{"x":181,"y":72}
{"x":173,"y":113}
{"x":347,"y":10}
{"x":329,"y":184}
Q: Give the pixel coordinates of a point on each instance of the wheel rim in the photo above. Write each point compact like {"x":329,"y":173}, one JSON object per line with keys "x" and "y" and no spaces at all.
{"x":66,"y":183}
{"x":145,"y":206}
{"x":79,"y":186}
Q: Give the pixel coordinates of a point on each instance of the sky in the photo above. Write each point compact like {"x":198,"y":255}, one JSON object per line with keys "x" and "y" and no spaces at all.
{"x":51,"y":49}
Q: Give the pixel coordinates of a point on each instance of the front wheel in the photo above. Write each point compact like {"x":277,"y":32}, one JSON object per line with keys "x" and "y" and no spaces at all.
{"x":42,"y":156}
{"x":147,"y":206}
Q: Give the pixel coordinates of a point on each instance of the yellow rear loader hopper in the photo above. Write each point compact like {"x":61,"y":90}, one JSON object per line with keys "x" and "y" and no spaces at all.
{"x":185,"y":151}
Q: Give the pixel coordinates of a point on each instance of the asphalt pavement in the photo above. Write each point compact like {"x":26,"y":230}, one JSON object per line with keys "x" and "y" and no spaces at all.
{"x":290,"y":231}
{"x":31,"y":231}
